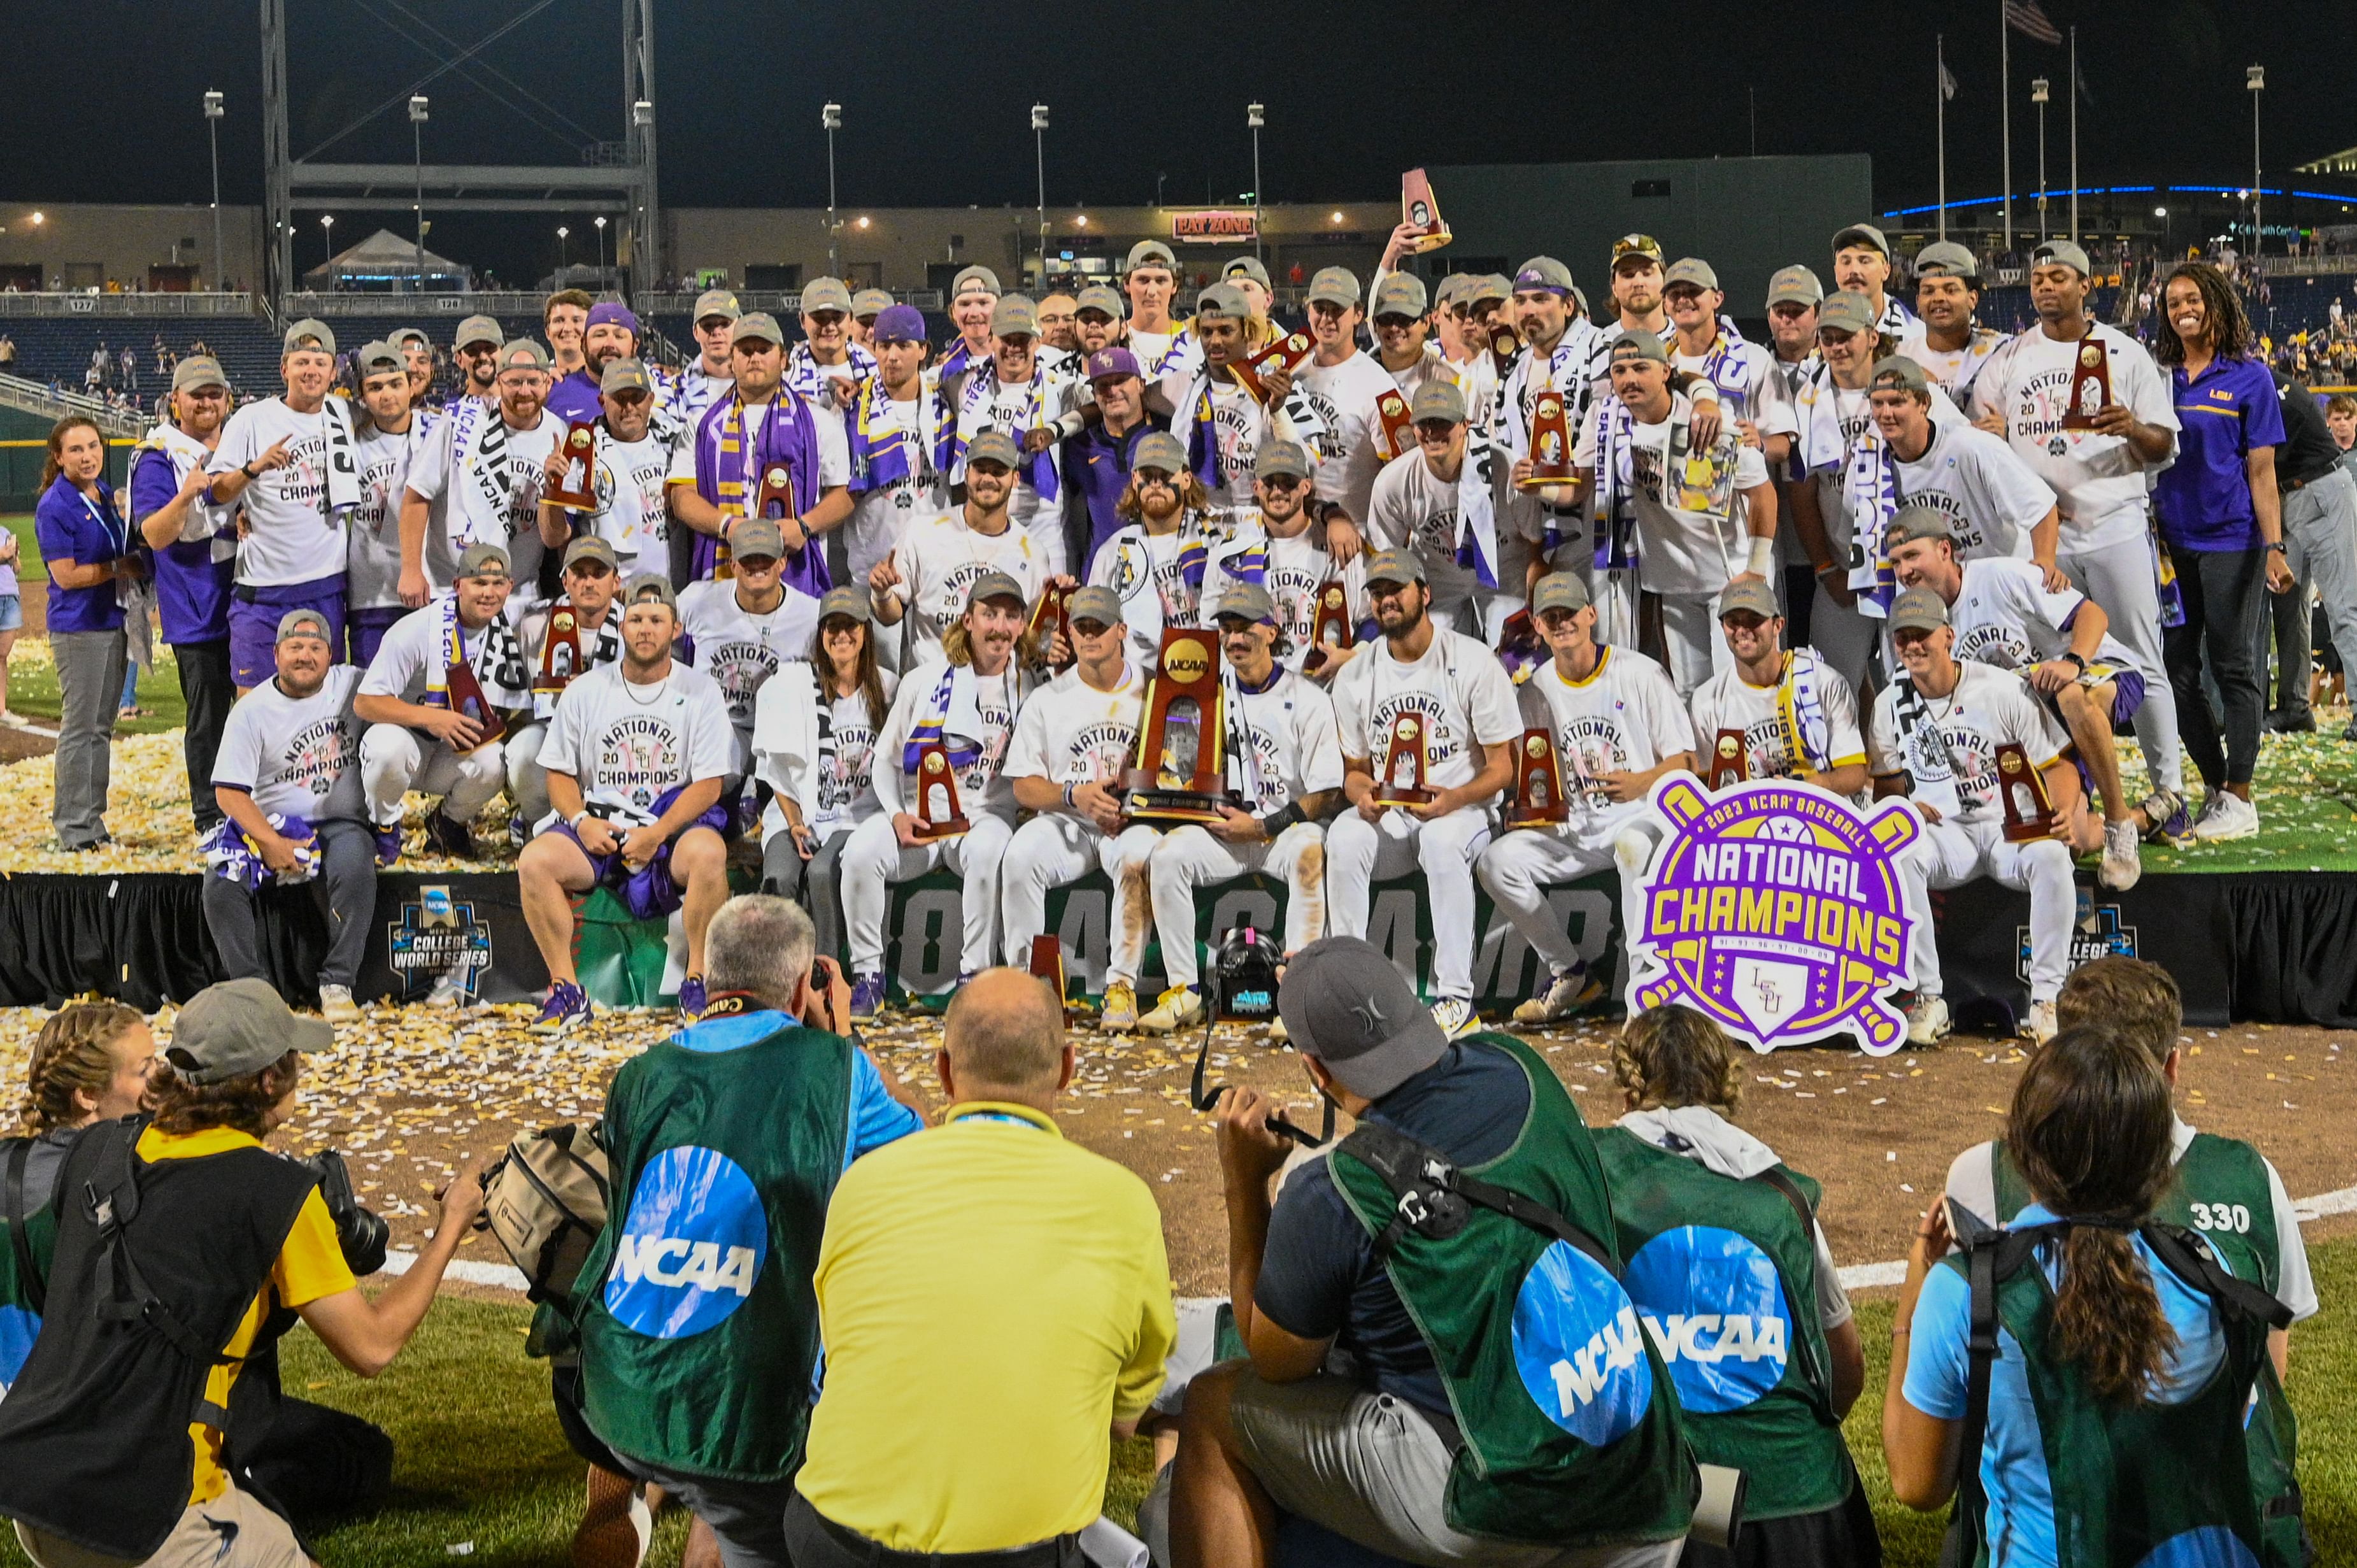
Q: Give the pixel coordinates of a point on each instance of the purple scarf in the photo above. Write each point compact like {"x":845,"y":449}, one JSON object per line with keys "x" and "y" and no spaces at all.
{"x":729,"y":476}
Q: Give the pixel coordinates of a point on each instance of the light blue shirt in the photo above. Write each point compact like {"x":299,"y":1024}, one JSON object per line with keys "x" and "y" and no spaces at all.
{"x":2020,"y":1525}
{"x":875,"y":1118}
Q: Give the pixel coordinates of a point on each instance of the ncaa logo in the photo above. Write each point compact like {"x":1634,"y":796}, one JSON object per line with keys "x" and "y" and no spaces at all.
{"x":1715,"y":1307}
{"x":17,"y":1330}
{"x":691,"y":1245}
{"x":1578,"y":1347}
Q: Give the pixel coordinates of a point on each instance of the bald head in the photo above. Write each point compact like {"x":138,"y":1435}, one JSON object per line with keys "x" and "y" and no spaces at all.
{"x":1004,"y":1039}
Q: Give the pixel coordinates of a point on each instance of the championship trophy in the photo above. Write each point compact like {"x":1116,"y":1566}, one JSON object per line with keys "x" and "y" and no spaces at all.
{"x":1538,"y":783}
{"x":580,"y":450}
{"x":1329,"y":622}
{"x":777,"y":490}
{"x":465,"y":694}
{"x":1730,"y":761}
{"x":1407,"y":765}
{"x":1048,"y":964}
{"x":2090,"y":385}
{"x":937,"y":815}
{"x":1399,"y":431}
{"x":563,"y":639}
{"x":2028,"y":811}
{"x":1182,"y":766}
{"x":1288,"y":351}
{"x":1550,"y":443}
{"x":1050,"y":616}
{"x":1418,"y":207}
{"x":1521,"y":649}
{"x":1504,"y":344}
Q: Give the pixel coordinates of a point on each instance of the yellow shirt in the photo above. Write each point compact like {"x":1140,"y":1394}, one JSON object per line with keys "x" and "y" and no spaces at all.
{"x":310,"y":1267}
{"x":992,"y":1300}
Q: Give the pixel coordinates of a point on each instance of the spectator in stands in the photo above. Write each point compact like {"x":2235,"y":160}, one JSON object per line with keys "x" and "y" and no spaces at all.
{"x":1718,"y":1229}
{"x":1016,"y":1278}
{"x":725,"y":1141}
{"x":2222,"y":519}
{"x":563,"y":316}
{"x":91,"y":557}
{"x":96,"y":1432}
{"x":1375,"y":1455}
{"x":2105,"y":1327}
{"x":7,"y":355}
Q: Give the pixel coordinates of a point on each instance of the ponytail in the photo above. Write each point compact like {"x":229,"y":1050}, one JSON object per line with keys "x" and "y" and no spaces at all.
{"x":54,"y":463}
{"x":2091,"y":1127}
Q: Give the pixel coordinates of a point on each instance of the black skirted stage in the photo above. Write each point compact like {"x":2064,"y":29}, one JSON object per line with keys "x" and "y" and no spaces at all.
{"x":2276,"y":947}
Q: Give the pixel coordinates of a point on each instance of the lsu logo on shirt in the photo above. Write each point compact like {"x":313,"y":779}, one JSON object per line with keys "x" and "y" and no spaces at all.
{"x":1714,"y":1306}
{"x":1578,"y":1347}
{"x":692,"y":1246}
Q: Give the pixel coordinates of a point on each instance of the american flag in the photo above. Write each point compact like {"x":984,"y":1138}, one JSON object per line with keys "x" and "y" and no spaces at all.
{"x":2028,"y":16}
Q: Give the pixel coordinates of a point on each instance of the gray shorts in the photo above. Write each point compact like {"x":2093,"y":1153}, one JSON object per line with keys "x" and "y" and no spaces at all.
{"x":747,"y":1517}
{"x":1371,"y":1467}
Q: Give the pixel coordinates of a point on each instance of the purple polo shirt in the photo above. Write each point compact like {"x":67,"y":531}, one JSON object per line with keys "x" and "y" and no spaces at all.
{"x":2223,"y":415}
{"x":574,"y":396}
{"x":1096,"y":470}
{"x":192,"y":589}
{"x":69,"y":528}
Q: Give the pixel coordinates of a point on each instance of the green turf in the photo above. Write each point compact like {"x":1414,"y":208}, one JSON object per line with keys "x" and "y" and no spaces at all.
{"x":33,"y":691}
{"x":482,"y":1462}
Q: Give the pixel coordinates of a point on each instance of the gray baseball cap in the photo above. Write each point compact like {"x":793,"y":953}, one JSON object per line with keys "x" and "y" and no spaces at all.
{"x":1150,"y":253}
{"x":1560,"y":591}
{"x":1861,"y":234}
{"x":1248,"y":601}
{"x":1346,"y":1003}
{"x":1095,"y":603}
{"x":238,"y":1027}
{"x":992,"y":447}
{"x":589,"y":547}
{"x":300,"y":622}
{"x":758,"y":327}
{"x":1794,"y":285}
{"x":650,"y":586}
{"x":1437,"y":398}
{"x":1918,"y":609}
{"x":375,"y":358}
{"x":1282,"y":457}
{"x":402,"y":336}
{"x":1491,"y":286}
{"x":310,"y":332}
{"x":1900,"y":374}
{"x":850,"y":601}
{"x":1012,"y":314}
{"x":1544,"y":272}
{"x":197,"y":371}
{"x":1689,"y":270}
{"x":1394,"y":567}
{"x":1946,"y":259}
{"x":973,"y":280}
{"x":484,"y":560}
{"x":478,"y":329}
{"x":1099,"y":296}
{"x":1752,"y":594}
{"x":523,"y":354}
{"x":625,"y":375}
{"x":825,"y":293}
{"x":1248,"y":266}
{"x":1225,"y":301}
{"x":1159,"y":449}
{"x":1638,"y":343}
{"x":718,"y":302}
{"x":1401,"y":293}
{"x":1333,"y":285}
{"x":757,"y":538}
{"x":995,"y":585}
{"x":1845,"y":311}
{"x":2063,"y":251}
{"x":870,"y":303}
{"x":1916,"y":520}
{"x":1451,"y":288}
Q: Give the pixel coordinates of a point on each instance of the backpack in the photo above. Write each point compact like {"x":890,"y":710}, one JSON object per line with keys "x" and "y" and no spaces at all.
{"x":544,"y":1201}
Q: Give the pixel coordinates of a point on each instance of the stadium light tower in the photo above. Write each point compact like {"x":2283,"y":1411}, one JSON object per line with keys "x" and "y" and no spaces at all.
{"x":830,"y":120}
{"x":2255,"y":78}
{"x":1256,"y":116}
{"x":212,"y":130}
{"x":2038,"y":96}
{"x":1039,"y":151}
{"x":327,"y":233}
{"x":560,"y":232}
{"x":417,"y":166}
{"x":600,"y":221}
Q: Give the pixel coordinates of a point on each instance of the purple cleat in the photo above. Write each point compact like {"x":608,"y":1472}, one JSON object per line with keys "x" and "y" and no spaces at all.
{"x":867,"y":996}
{"x":567,"y":1004}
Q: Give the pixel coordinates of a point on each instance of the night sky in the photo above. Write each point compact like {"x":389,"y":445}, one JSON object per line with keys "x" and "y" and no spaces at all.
{"x":936,"y":98}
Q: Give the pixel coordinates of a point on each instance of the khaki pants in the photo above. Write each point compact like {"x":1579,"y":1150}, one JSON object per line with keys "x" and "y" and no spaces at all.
{"x":233,"y":1530}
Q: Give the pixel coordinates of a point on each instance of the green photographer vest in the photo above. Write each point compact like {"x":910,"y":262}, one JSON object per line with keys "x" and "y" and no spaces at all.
{"x":1570,"y":1422}
{"x":28,"y":1233}
{"x":2222,"y":1194}
{"x":1724,"y":1273}
{"x":698,"y":1322}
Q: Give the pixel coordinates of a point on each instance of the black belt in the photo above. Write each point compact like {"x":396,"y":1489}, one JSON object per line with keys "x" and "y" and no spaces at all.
{"x":1061,"y":1552}
{"x":2287,"y":485}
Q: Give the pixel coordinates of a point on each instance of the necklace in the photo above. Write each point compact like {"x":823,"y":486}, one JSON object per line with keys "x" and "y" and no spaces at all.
{"x":661,"y":689}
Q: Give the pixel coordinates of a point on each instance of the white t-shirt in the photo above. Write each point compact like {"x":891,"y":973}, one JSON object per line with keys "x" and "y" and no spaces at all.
{"x":1070,"y":733}
{"x":1298,"y":568}
{"x":411,"y":650}
{"x":471,"y":517}
{"x":826,"y":425}
{"x":372,"y":557}
{"x":2099,"y":481}
{"x":1727,"y":701}
{"x":1850,"y":410}
{"x":632,"y":513}
{"x":1147,"y":572}
{"x":940,"y":558}
{"x":1241,"y":425}
{"x":739,"y":649}
{"x":982,"y":785}
{"x":694,"y":391}
{"x":1699,"y":545}
{"x":1463,"y":691}
{"x":290,"y":535}
{"x":1954,"y":370}
{"x":1749,"y":387}
{"x":1624,"y":718}
{"x":1343,"y":396}
{"x":1991,"y":497}
{"x":1414,"y":508}
{"x":880,"y":518}
{"x":991,"y":404}
{"x":847,"y":761}
{"x":1988,"y":708}
{"x":296,"y":758}
{"x":626,"y":745}
{"x":1293,"y":742}
{"x":2004,"y":616}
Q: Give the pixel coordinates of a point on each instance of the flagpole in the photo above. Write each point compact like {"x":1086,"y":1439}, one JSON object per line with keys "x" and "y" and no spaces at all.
{"x":2075,"y":135}
{"x":1940,"y":91}
{"x":2005,"y":76}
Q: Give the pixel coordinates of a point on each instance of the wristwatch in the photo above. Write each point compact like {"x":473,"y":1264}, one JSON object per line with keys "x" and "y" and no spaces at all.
{"x":246,"y":468}
{"x":2078,"y":663}
{"x":2276,"y":545}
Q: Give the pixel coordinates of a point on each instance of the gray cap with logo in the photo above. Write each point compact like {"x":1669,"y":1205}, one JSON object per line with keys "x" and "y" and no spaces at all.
{"x":1400,"y":294}
{"x":1097,"y":602}
{"x":1394,"y":567}
{"x":1794,"y":285}
{"x":236,"y":1029}
{"x":197,"y":371}
{"x":850,"y":601}
{"x":1752,"y":594}
{"x":757,"y":538}
{"x":1560,"y":591}
{"x":825,"y":293}
{"x":625,"y":375}
{"x":1013,"y":316}
{"x":759,"y":327}
{"x":1247,"y":601}
{"x":1438,"y":400}
{"x":992,"y":447}
{"x":1159,"y":449}
{"x":1344,"y":1002}
{"x":717,"y":303}
{"x":1845,"y":311}
{"x":1333,"y":285}
{"x":1918,"y":609}
{"x":1282,"y":457}
{"x":1691,"y":269}
{"x":1946,"y":259}
{"x":478,"y":329}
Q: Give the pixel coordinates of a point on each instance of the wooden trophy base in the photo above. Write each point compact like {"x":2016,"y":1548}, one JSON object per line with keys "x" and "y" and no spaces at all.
{"x":1145,"y":803}
{"x":1387,"y":795}
{"x":924,"y":832}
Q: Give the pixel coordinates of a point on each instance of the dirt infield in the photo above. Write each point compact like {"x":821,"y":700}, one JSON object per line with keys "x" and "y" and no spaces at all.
{"x":410,"y":1089}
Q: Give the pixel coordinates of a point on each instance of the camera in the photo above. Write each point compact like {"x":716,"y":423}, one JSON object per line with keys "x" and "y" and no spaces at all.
{"x":359,"y":1235}
{"x":1242,"y":972}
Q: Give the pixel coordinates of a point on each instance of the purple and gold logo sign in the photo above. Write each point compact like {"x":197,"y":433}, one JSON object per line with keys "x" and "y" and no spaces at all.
{"x":1775,"y":908}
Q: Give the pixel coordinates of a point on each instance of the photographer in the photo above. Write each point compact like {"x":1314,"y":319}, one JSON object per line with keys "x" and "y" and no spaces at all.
{"x":191,"y":1237}
{"x":699,"y":1335}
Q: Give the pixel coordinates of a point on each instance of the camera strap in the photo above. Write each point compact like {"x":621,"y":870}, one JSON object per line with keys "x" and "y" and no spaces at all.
{"x":30,"y":1286}
{"x":1204,"y":1099}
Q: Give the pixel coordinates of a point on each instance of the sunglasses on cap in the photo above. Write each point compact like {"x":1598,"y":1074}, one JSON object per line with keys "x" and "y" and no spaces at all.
{"x":1283,"y":481}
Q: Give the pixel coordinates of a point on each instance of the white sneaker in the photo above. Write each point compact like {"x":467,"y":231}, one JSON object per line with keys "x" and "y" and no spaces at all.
{"x":1278,"y":1035}
{"x":2226,"y":816}
{"x":1455,"y":1016}
{"x":1566,"y":995}
{"x":1179,"y":1007}
{"x":1928,"y":1022}
{"x":336,"y":1006}
{"x":2039,"y":1026}
{"x":2123,"y":862}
